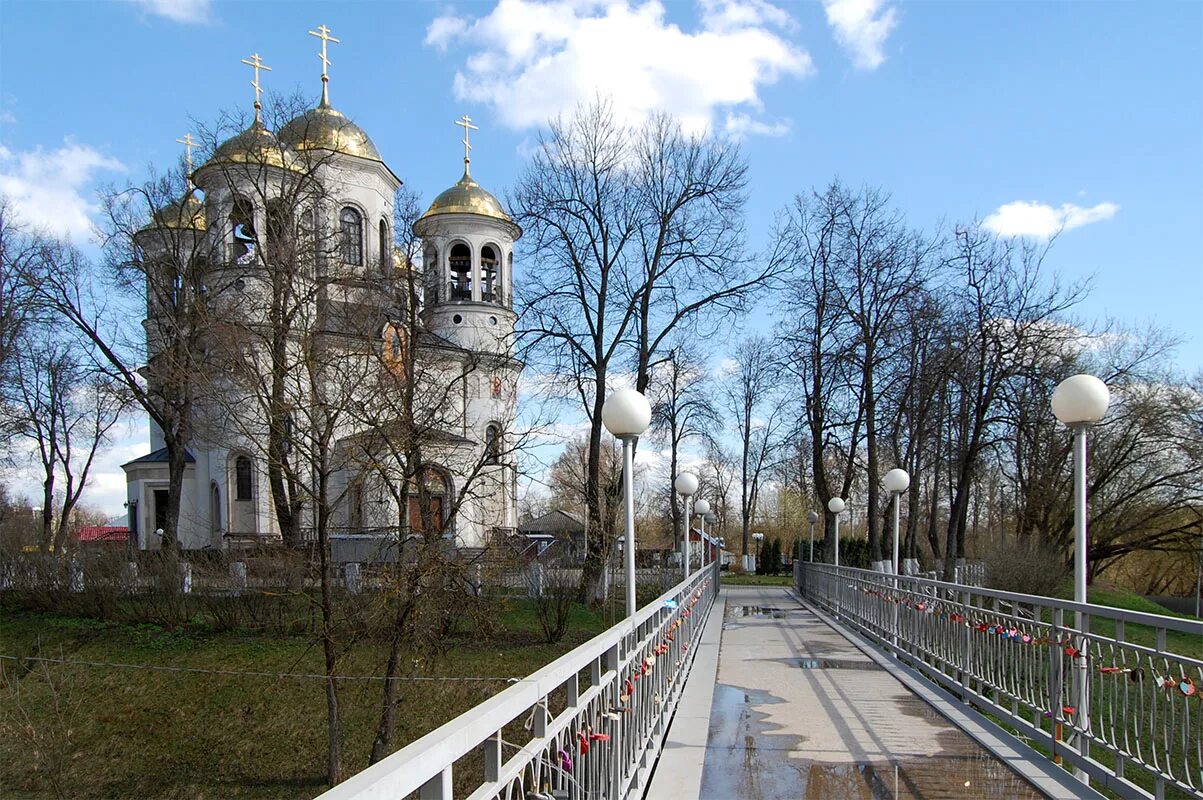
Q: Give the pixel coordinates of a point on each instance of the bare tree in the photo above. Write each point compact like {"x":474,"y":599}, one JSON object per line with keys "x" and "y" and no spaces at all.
{"x":1001,"y":315}
{"x":157,"y":256}
{"x":66,"y":410}
{"x":682,"y":410}
{"x":750,"y":394}
{"x":636,"y":234}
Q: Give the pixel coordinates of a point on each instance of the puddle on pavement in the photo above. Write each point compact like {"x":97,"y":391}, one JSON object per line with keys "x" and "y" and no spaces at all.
{"x":835,"y":663}
{"x":759,"y":611}
{"x":748,"y":759}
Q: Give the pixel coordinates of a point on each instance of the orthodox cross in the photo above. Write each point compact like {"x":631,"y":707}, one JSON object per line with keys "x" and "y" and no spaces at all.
{"x":256,"y":63}
{"x":465,"y":122}
{"x":188,"y":143}
{"x":323,"y":33}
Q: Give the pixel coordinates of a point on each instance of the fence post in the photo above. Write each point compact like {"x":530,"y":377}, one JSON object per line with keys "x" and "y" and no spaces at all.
{"x":351,"y":579}
{"x":238,"y":576}
{"x":185,"y":577}
{"x":131,"y":575}
{"x":76,"y":575}
{"x":534,"y":579}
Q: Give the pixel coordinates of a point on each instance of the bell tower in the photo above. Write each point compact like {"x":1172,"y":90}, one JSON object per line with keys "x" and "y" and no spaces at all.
{"x":467,"y":261}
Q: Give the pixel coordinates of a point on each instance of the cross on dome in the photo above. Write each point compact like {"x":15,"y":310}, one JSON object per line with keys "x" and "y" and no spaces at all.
{"x":465,"y":122}
{"x":256,"y":63}
{"x":323,"y":33}
{"x":188,"y":143}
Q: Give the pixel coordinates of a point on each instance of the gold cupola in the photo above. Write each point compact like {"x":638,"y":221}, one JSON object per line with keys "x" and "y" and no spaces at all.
{"x":256,"y":146}
{"x":467,"y":196}
{"x":187,"y":213}
{"x":325,"y":128}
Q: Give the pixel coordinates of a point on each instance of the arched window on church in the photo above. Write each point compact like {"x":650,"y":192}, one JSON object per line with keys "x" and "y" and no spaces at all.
{"x":279,"y":233}
{"x":460,"y":264}
{"x":242,"y":226}
{"x":492,"y":445}
{"x":351,"y":237}
{"x":488,"y":274}
{"x":384,"y":248}
{"x":244,"y":488}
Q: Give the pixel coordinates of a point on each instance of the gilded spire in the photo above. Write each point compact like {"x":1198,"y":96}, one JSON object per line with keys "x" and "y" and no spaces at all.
{"x":188,"y":143}
{"x":465,"y":122}
{"x":256,"y":63}
{"x":323,"y":33}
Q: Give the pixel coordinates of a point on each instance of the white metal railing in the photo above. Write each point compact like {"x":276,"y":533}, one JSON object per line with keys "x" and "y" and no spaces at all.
{"x":1108,"y":698}
{"x":588,"y":725}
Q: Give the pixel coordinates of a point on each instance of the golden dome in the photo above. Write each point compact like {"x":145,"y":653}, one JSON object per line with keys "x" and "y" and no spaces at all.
{"x":185,"y":214}
{"x":255,"y":146}
{"x":324,"y":128}
{"x":466,"y":197}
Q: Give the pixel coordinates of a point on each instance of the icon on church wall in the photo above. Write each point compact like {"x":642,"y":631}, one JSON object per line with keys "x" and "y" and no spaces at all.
{"x":496,"y":386}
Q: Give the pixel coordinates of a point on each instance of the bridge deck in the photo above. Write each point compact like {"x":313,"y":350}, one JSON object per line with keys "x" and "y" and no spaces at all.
{"x":798,"y":711}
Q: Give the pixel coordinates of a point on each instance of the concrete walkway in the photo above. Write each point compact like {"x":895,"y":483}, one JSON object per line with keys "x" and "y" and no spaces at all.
{"x":795,"y":710}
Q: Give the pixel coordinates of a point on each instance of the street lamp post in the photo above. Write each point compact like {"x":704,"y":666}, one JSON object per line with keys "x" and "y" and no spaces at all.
{"x":712,"y":521}
{"x":702,"y":509}
{"x":1079,"y":402}
{"x":896,"y":482}
{"x":626,"y":414}
{"x":836,"y":506}
{"x":686,"y":485}
{"x":812,"y":518}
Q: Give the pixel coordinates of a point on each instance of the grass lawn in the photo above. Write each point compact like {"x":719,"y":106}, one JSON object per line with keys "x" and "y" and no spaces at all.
{"x":120,"y":732}
{"x":745,"y":579}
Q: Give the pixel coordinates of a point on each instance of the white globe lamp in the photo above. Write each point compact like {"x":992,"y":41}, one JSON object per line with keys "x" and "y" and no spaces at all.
{"x":836,"y":506}
{"x":686,"y":484}
{"x":896,"y":482}
{"x":1081,"y":400}
{"x":626,"y":413}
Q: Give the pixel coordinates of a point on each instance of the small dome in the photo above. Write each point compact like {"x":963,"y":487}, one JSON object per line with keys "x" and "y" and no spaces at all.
{"x":256,"y":145}
{"x":324,"y":128}
{"x":466,"y":197}
{"x":185,"y":214}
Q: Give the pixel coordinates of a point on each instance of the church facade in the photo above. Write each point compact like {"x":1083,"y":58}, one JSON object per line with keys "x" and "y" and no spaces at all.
{"x":349,"y":295}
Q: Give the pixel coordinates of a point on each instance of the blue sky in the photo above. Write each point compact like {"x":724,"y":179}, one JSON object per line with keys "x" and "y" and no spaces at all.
{"x":1031,"y":115}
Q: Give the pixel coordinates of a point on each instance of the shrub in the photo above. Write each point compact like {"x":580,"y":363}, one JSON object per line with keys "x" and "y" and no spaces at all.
{"x":1026,"y":567}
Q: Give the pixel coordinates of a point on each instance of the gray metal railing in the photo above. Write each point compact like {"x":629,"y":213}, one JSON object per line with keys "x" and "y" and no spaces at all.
{"x":588,"y":725}
{"x":1108,"y":699}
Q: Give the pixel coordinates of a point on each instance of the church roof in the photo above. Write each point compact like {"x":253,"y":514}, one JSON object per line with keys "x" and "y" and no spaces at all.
{"x":467,"y":197}
{"x":325,"y":128}
{"x":158,"y":457}
{"x":256,"y":146}
{"x":188,"y":213}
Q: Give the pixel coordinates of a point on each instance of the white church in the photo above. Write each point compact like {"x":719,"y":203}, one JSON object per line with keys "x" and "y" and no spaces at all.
{"x":466,"y":330}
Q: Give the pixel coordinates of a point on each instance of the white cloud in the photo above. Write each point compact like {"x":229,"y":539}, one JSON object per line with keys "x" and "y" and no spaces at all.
{"x":740,"y":126}
{"x":862,"y":27}
{"x":1039,"y":220}
{"x":187,"y":11}
{"x":46,"y":188}
{"x":533,"y":59}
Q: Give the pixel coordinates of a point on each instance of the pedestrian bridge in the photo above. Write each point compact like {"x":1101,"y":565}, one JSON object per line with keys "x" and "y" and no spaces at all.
{"x":850,"y":684}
